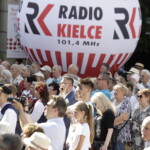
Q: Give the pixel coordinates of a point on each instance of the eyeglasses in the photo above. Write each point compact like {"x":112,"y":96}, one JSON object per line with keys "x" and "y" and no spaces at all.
{"x":99,"y":79}
{"x":139,"y":96}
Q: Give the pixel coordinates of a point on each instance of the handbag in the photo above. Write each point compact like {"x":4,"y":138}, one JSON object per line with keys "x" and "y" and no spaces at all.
{"x":115,"y":134}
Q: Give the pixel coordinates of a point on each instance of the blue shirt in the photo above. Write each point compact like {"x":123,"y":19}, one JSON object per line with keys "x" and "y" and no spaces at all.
{"x":58,"y":80}
{"x":105,"y":91}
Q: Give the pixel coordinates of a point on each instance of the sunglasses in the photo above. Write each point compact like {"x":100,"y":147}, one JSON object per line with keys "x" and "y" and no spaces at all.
{"x":140,"y":96}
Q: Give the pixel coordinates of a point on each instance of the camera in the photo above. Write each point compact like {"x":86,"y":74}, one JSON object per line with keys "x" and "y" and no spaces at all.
{"x":22,"y":99}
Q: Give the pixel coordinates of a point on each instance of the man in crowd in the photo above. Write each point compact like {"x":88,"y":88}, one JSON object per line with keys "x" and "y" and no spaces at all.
{"x":104,"y":68}
{"x":53,"y":88}
{"x":46,"y":70}
{"x":86,"y":86}
{"x":131,"y":72}
{"x":15,"y":70}
{"x":8,"y":112}
{"x":6,"y":64}
{"x":145,"y":78}
{"x":35,"y":67}
{"x":39,"y":76}
{"x":66,"y":90}
{"x":56,"y":73}
{"x":54,"y":128}
{"x":73,"y":69}
{"x":103,"y":84}
{"x":27,"y":71}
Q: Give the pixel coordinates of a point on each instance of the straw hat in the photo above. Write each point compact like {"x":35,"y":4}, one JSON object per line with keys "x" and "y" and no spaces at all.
{"x":38,"y":141}
{"x":140,"y":65}
{"x":134,"y":70}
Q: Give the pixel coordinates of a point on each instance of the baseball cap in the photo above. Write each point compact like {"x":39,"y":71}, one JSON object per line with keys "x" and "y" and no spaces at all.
{"x":39,"y":74}
{"x":46,"y":68}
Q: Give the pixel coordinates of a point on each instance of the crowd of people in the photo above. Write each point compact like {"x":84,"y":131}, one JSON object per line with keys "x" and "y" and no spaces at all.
{"x":41,"y":109}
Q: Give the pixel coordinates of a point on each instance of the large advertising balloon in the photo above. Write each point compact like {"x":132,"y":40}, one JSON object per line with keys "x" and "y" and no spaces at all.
{"x":82,"y":32}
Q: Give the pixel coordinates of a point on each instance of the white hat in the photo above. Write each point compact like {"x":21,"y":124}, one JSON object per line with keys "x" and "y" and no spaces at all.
{"x":134,"y":70}
{"x":39,"y":74}
{"x":5,"y":127}
{"x":38,"y":141}
{"x":46,"y":68}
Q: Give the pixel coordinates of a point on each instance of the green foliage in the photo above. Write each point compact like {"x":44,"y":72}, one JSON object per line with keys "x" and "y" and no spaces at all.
{"x":144,"y":42}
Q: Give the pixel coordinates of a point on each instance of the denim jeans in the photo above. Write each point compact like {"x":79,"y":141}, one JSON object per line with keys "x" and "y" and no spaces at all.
{"x":119,"y":145}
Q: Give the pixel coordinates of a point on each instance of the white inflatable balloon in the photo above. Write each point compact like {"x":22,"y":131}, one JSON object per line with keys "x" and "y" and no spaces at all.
{"x":82,"y":32}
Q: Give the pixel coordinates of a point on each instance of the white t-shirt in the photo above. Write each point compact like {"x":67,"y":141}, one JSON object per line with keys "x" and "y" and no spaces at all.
{"x":133,"y":100}
{"x":17,"y":80}
{"x":81,"y":129}
{"x":55,"y":129}
{"x":37,"y":111}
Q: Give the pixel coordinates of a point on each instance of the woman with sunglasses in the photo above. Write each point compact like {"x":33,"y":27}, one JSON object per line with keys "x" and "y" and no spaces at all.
{"x":138,"y":115}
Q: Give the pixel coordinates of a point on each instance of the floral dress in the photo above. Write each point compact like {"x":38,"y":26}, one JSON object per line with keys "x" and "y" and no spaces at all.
{"x":137,"y":119}
{"x":124,"y":134}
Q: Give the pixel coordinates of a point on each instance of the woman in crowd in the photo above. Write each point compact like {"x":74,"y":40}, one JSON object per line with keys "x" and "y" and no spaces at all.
{"x":82,"y":137}
{"x":104,"y":121}
{"x":123,"y":109}
{"x":119,"y":77}
{"x":138,"y":116}
{"x":37,"y":111}
{"x":27,"y":85}
{"x":5,"y":77}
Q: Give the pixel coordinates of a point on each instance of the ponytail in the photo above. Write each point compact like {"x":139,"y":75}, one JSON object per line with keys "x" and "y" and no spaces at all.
{"x":90,"y":122}
{"x":81,"y":106}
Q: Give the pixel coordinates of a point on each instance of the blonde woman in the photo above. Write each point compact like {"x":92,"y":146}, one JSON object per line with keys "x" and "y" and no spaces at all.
{"x":104,"y":121}
{"x":123,"y":110}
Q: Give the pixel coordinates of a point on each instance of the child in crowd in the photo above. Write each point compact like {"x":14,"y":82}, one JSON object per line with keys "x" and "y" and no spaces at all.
{"x":83,"y":135}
